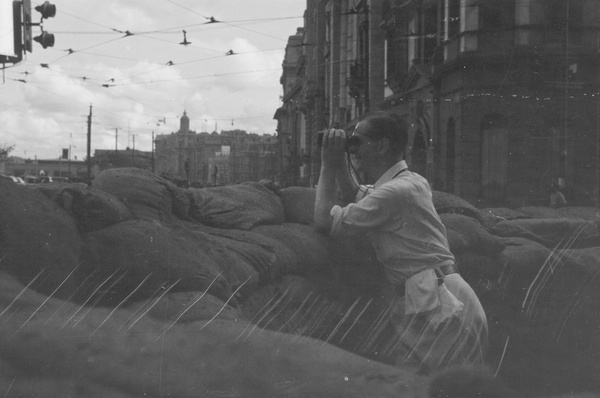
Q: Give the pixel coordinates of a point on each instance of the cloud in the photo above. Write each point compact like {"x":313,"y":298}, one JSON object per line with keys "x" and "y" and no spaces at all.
{"x":127,"y":79}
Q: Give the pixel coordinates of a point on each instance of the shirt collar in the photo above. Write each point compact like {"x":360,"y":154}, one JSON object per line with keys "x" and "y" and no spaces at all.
{"x":391,"y":173}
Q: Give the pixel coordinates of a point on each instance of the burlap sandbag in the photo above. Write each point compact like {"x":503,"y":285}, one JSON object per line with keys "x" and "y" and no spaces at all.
{"x":563,"y":233}
{"x":36,"y":237}
{"x":445,"y":202}
{"x":478,"y":239}
{"x":148,"y":196}
{"x":585,"y":213}
{"x":138,"y":249}
{"x":91,"y":208}
{"x":242,"y":206}
{"x":503,"y":213}
{"x":300,"y":248}
{"x":559,"y":300}
{"x":522,"y":260}
{"x":298,"y":204}
{"x":183,"y":307}
{"x":136,"y":355}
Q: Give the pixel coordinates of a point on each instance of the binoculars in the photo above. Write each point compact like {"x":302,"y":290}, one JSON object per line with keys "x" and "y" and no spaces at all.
{"x":351,"y":141}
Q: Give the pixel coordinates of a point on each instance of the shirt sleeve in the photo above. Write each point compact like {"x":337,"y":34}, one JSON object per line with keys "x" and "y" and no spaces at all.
{"x":373,"y":211}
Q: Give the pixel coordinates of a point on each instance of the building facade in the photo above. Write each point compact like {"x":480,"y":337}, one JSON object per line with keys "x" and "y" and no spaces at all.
{"x":208,"y":159}
{"x":184,"y":155}
{"x":74,"y":169}
{"x":501,"y":96}
{"x":245,"y":157}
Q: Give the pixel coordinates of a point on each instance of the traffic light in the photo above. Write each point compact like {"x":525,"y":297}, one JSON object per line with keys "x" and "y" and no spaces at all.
{"x":45,"y":39}
{"x":47,"y":10}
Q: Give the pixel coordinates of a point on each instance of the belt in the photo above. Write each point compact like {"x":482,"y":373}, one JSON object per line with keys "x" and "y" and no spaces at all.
{"x":439,"y":271}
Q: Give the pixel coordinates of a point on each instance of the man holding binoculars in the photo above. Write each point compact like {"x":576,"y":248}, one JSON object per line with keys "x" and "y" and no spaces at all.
{"x":438,"y":319}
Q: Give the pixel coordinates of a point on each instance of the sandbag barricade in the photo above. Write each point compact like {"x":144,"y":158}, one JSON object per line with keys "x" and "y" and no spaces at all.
{"x":233,"y":285}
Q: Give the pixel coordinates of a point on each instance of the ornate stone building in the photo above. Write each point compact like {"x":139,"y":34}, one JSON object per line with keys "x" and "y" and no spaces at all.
{"x":502,"y":97}
{"x":206,"y":159}
{"x":184,"y":155}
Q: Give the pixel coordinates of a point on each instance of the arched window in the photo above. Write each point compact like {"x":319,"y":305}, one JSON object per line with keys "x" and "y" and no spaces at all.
{"x":494,"y":153}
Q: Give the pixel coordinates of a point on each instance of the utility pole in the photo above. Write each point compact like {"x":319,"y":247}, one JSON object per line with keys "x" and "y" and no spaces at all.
{"x":116,"y":139}
{"x":153,"y":151}
{"x":133,"y":153}
{"x":69,"y":154}
{"x":89,"y":147}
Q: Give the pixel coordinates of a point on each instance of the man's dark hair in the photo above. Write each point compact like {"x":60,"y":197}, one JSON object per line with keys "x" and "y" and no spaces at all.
{"x":383,"y":124}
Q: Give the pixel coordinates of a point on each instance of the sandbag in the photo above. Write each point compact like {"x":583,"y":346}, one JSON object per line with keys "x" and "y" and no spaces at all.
{"x":478,"y":239}
{"x":522,"y":259}
{"x":91,"y":208}
{"x":136,"y":250}
{"x":306,"y":250}
{"x":445,"y":202}
{"x":138,"y":356}
{"x":580,"y":212}
{"x":148,"y":196}
{"x":457,"y":242}
{"x":242,"y":206}
{"x":503,"y":213}
{"x":36,"y":237}
{"x":552,"y":232}
{"x":184,"y":307}
{"x":298,"y":204}
{"x":472,"y":265}
{"x":539,"y":212}
{"x":561,"y":305}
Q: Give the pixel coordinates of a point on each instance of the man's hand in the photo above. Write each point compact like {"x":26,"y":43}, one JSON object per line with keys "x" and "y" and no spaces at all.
{"x":333,"y":151}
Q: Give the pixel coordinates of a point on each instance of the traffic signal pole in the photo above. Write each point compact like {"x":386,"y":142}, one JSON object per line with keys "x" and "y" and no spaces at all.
{"x":89,"y":147}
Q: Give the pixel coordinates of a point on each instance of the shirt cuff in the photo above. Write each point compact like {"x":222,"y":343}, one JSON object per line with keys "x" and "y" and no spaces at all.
{"x":336,"y":225}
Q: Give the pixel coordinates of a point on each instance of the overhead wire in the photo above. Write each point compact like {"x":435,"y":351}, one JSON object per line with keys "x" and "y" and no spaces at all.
{"x":90,"y":77}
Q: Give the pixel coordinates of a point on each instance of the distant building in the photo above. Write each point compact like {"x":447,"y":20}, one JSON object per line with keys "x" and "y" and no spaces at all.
{"x":206,"y":159}
{"x":246,"y":157}
{"x":73,"y":169}
{"x":184,"y":155}
{"x":110,"y":158}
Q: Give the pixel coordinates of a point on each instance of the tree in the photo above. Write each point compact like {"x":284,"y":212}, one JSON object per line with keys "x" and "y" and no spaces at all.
{"x":5,"y":149}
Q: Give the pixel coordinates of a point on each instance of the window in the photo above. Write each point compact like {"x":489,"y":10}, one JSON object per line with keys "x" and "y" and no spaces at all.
{"x":494,"y":150}
{"x":429,"y":33}
{"x":559,"y":18}
{"x":497,"y":14}
{"x":452,"y":18}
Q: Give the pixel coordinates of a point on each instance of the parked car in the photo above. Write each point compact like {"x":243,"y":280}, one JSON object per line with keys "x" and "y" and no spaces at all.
{"x":32,"y":179}
{"x":49,"y":179}
{"x":16,"y":180}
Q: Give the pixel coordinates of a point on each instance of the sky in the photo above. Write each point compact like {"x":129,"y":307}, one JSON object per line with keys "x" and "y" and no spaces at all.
{"x":125,"y":61}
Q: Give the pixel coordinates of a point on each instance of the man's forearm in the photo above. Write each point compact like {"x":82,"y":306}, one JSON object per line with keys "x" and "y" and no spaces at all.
{"x":325,"y":200}
{"x":346,"y":185}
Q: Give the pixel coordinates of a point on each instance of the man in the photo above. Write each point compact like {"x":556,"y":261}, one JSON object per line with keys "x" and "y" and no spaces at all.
{"x":438,"y":318}
{"x":557,"y":199}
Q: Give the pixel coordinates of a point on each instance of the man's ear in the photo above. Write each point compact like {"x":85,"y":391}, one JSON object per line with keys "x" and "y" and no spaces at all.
{"x":383,"y":146}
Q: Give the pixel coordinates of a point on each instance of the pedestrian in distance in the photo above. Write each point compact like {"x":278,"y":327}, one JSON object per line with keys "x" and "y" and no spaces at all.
{"x":437,"y":317}
{"x":557,"y":199}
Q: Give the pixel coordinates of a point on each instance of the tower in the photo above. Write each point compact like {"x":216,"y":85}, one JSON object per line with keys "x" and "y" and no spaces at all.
{"x":184,"y":124}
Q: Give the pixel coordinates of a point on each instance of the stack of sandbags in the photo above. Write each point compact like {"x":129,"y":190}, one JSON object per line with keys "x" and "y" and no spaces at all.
{"x":125,"y":353}
{"x":148,"y":196}
{"x":240,"y":206}
{"x":39,"y":242}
